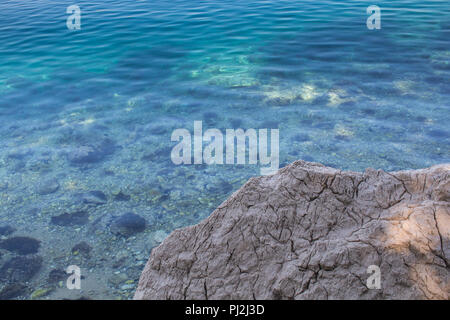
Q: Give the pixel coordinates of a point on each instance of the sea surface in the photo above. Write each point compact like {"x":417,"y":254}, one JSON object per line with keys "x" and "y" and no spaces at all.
{"x":86,"y":117}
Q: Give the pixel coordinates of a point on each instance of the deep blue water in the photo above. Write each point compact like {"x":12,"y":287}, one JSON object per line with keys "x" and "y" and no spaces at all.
{"x":339,"y":93}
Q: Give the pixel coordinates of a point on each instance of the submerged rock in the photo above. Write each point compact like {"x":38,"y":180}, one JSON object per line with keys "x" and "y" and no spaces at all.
{"x":12,"y":291}
{"x":128,"y":224}
{"x":122,"y":196}
{"x":93,"y":197}
{"x":21,"y":245}
{"x":314,"y":232}
{"x":47,"y":187}
{"x":20,"y":269}
{"x":77,"y":218}
{"x":92,"y":153}
{"x":83,"y":154}
{"x":57,"y":275}
{"x":6,"y":230}
{"x":83,"y":248}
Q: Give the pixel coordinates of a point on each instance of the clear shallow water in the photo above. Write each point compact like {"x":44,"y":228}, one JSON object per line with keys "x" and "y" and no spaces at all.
{"x":340,"y":94}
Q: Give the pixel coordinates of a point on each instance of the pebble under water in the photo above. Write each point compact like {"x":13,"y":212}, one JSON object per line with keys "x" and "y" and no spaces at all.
{"x":86,"y":117}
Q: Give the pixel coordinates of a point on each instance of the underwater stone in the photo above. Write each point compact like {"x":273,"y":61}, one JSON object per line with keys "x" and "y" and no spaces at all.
{"x":77,"y":218}
{"x":6,"y":230}
{"x":437,"y":133}
{"x":162,"y":152}
{"x":327,"y":125}
{"x":368,"y":111}
{"x":128,"y":224}
{"x":158,"y":129}
{"x":92,"y":153}
{"x":4,"y":186}
{"x":20,"y":269}
{"x":94,"y":197}
{"x":21,"y":245}
{"x":19,"y":154}
{"x":117,"y":279}
{"x":270,"y":124}
{"x":301,"y":137}
{"x":236,"y":123}
{"x":83,"y":247}
{"x":47,"y":187}
{"x":210,"y":118}
{"x":83,"y":154}
{"x":12,"y":291}
{"x":57,"y":275}
{"x":122,"y":197}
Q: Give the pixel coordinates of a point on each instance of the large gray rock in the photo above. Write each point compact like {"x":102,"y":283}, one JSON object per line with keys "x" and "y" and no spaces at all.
{"x":311,"y":232}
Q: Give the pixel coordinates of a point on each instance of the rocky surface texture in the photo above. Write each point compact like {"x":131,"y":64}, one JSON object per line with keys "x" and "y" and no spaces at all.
{"x":311,"y":232}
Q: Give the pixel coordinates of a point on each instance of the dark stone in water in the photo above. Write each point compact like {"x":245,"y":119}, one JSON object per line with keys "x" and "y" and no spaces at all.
{"x":21,"y":245}
{"x":128,"y":224}
{"x":19,"y":154}
{"x":236,"y":123}
{"x":108,"y":172}
{"x":57,"y":275}
{"x":19,"y":166}
{"x":83,"y":247}
{"x":341,"y":137}
{"x":12,"y":291}
{"x":369,"y":112}
{"x":210,"y":118}
{"x":158,"y":129}
{"x":83,"y":154}
{"x":122,"y":197}
{"x":324,"y":125}
{"x":270,"y":124}
{"x":223,"y":187}
{"x":306,"y":122}
{"x":435,"y":80}
{"x":47,"y":187}
{"x":301,"y":137}
{"x":78,"y":218}
{"x":436,"y":133}
{"x":92,"y":153}
{"x":421,"y":118}
{"x":226,"y":186}
{"x":94,"y":197}
{"x":163,"y":152}
{"x":6,"y":230}
{"x":346,"y":105}
{"x":20,"y":269}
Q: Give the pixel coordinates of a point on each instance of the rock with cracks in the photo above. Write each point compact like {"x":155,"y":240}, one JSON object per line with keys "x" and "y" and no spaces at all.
{"x":311,"y":232}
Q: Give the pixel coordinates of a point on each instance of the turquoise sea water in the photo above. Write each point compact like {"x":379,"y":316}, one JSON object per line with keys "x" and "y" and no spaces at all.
{"x":86,"y":116}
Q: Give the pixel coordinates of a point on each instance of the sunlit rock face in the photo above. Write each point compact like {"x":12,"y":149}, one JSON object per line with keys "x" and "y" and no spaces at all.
{"x":311,"y":232}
